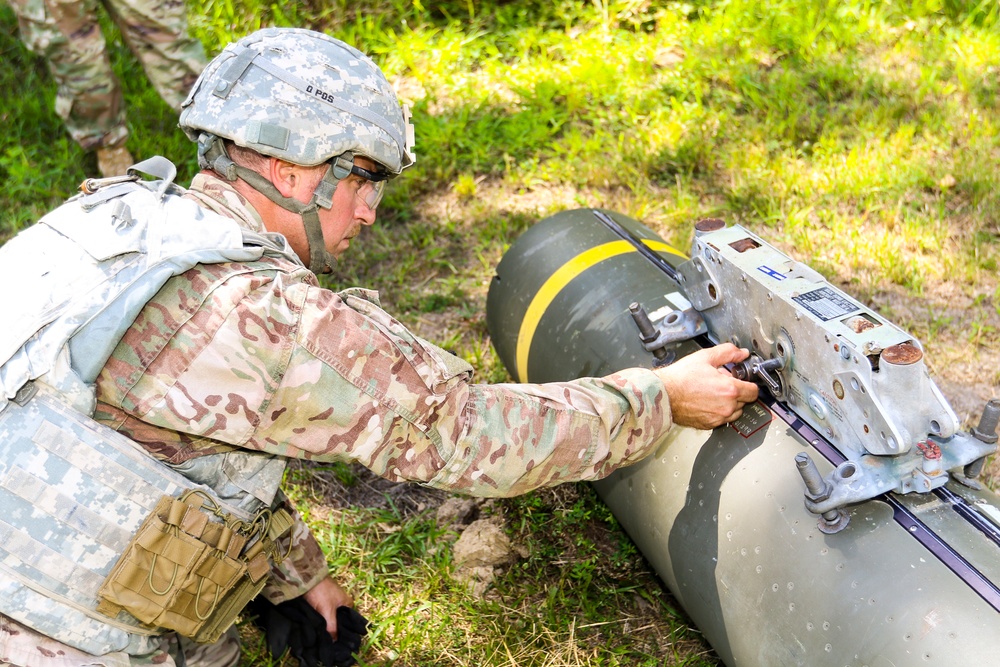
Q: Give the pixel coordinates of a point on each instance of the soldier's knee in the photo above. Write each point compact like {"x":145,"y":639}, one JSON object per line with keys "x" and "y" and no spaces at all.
{"x":223,"y":653}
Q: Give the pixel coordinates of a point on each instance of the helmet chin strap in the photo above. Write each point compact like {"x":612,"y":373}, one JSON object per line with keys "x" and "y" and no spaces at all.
{"x":212,"y":155}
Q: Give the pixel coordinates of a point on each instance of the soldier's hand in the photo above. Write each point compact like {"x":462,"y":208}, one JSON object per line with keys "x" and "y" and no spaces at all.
{"x":327,"y":597}
{"x":296,"y":627}
{"x":702,"y":393}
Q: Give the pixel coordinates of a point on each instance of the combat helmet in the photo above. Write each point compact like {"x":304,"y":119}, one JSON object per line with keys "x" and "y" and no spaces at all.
{"x":303,"y":97}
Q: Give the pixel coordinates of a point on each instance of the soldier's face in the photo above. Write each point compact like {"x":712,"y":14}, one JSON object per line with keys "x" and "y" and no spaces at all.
{"x":349,"y":212}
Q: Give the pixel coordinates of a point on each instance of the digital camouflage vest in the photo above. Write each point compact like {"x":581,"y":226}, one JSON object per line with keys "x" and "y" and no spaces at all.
{"x":73,"y":492}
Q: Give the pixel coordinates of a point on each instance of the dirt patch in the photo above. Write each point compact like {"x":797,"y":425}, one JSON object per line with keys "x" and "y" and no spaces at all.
{"x":339,"y":487}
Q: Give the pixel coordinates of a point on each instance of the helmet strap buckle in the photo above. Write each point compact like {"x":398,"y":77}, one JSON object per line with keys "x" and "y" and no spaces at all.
{"x":323,"y":194}
{"x":341,"y":165}
{"x":212,"y":155}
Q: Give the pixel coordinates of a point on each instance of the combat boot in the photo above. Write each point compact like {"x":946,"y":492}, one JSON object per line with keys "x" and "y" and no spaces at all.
{"x":113,"y":160}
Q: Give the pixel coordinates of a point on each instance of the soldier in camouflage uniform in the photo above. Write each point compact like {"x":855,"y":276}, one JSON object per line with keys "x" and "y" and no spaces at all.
{"x":89,"y":98}
{"x":297,"y":135}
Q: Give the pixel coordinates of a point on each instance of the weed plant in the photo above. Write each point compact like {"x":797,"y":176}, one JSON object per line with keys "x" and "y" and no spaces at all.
{"x":861,"y":137}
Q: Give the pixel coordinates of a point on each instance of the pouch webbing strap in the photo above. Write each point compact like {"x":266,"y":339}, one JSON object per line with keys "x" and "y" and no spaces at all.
{"x":38,"y":558}
{"x":31,"y":585}
{"x":281,"y":523}
{"x":45,"y":498}
{"x":111,"y":473}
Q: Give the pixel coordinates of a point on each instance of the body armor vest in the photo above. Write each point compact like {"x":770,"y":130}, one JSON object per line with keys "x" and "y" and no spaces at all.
{"x":72,"y":490}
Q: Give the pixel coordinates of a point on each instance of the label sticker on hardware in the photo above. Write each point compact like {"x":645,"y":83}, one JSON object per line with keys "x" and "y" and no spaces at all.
{"x":825,"y":303}
{"x":774,"y":273}
{"x":675,"y":302}
{"x":678,"y":300}
{"x":755,"y":417}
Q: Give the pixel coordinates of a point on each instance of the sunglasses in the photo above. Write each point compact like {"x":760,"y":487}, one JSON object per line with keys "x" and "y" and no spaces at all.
{"x":373,"y":188}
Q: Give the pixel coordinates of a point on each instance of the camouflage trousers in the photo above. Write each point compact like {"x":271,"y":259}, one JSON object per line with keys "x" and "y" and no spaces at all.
{"x":89,"y":97}
{"x":22,"y":647}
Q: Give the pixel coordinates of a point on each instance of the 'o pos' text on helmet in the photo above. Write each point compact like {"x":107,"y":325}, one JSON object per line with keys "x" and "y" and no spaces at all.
{"x":305,"y":98}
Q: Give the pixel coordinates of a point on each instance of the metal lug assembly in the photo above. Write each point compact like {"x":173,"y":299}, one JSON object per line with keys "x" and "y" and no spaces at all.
{"x":986,"y":432}
{"x":648,"y":333}
{"x":675,"y":326}
{"x":817,"y":490}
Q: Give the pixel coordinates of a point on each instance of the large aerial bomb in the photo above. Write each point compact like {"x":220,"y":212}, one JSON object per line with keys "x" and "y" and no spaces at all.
{"x":839,"y":521}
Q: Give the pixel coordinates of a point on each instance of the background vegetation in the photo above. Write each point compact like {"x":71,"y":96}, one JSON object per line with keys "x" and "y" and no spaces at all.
{"x":860,"y":136}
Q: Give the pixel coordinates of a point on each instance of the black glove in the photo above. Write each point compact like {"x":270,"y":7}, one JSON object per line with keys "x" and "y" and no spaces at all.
{"x":294,"y":625}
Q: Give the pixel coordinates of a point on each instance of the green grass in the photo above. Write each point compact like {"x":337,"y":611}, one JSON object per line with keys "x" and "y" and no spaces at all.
{"x":580,"y":594}
{"x":861,"y":137}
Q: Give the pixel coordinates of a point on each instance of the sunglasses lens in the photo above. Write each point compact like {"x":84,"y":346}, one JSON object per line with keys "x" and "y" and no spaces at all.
{"x":371,"y":192}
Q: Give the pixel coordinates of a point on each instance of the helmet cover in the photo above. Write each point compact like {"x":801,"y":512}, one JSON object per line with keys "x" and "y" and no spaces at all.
{"x":300,"y":96}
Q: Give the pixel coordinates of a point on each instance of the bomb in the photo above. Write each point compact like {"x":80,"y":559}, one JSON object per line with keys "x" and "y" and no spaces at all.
{"x":838,"y":522}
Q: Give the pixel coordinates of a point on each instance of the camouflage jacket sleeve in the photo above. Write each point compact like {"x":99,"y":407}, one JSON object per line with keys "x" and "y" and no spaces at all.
{"x":258,"y":356}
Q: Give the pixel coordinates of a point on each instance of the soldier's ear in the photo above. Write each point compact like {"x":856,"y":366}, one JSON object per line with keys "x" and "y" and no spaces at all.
{"x":293,"y":180}
{"x":285,"y":176}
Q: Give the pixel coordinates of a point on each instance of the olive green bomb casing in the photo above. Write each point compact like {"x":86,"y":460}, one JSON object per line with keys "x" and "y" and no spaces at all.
{"x":898,"y":565}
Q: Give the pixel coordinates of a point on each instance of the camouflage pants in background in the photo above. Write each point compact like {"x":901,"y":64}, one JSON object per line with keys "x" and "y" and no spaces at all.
{"x":22,"y":647}
{"x":89,"y":98}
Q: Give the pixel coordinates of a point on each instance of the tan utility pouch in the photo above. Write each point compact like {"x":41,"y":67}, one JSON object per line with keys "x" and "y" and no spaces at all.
{"x":187,"y":572}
